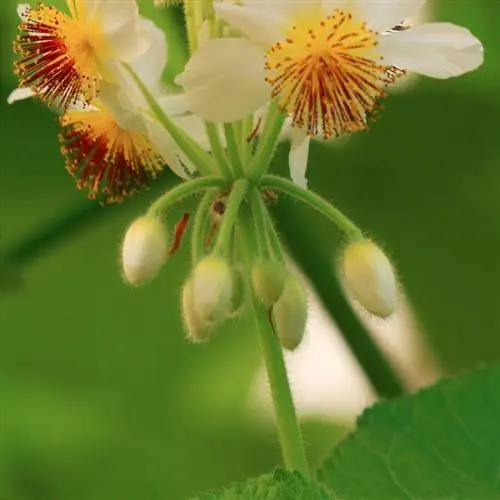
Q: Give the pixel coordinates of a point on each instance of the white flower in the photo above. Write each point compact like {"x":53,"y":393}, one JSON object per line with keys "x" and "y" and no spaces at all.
{"x":115,"y":145}
{"x":64,"y":56}
{"x":326,"y":62}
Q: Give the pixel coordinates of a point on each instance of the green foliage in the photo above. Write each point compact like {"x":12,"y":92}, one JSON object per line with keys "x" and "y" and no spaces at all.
{"x":280,"y":485}
{"x":441,"y":443}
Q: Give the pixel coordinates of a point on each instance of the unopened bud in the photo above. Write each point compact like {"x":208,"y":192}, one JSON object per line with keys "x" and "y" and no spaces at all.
{"x":268,"y":280}
{"x":370,"y":277}
{"x":212,"y":289}
{"x":290,"y":314}
{"x":144,"y":250}
{"x":196,"y":329}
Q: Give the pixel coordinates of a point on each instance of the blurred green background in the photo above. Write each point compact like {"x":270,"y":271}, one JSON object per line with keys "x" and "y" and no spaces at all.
{"x":101,"y":395}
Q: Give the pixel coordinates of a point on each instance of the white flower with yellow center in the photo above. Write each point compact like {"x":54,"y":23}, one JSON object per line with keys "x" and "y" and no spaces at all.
{"x":115,"y":145}
{"x":327,"y":63}
{"x":64,"y":56}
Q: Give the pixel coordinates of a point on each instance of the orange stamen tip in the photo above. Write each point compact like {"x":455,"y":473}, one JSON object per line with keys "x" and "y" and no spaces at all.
{"x":104,"y":158}
{"x":327,"y":78}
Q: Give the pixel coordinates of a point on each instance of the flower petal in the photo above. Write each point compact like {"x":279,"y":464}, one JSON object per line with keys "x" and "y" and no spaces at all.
{"x":382,"y":15}
{"x":22,"y":11}
{"x":298,"y":156}
{"x":286,"y":10}
{"x":20,"y":94}
{"x":255,"y":24}
{"x":439,"y":50}
{"x":123,"y":28}
{"x":166,"y":147}
{"x":218,"y":87}
{"x":152,"y":62}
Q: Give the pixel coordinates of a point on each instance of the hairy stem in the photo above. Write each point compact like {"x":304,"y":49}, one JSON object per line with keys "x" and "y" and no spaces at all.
{"x":186,"y":188}
{"x":314,"y":201}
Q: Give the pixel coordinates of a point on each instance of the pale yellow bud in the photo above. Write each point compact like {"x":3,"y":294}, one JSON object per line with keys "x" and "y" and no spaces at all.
{"x":370,"y":277}
{"x":196,"y":329}
{"x":290,"y":313}
{"x":268,"y":280}
{"x":212,"y":289}
{"x":144,"y":250}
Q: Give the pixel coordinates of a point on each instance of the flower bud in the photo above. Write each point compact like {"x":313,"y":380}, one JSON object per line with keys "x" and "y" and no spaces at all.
{"x":144,"y":250}
{"x":197,"y":330}
{"x":290,"y":313}
{"x":213,"y":281}
{"x":370,"y":277}
{"x":268,"y":280}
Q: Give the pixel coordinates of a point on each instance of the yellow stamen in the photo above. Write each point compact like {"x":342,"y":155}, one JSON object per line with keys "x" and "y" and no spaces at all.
{"x":327,"y":76}
{"x":104,"y":157}
{"x":60,"y":53}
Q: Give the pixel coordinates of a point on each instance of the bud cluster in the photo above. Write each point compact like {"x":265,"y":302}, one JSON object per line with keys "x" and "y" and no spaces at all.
{"x":228,"y":267}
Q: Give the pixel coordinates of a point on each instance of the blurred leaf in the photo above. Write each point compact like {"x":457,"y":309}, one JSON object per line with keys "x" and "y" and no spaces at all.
{"x":443,"y":442}
{"x":280,"y":485}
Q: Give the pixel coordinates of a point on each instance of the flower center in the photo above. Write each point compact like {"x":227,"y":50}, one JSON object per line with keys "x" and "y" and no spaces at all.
{"x":104,"y":157}
{"x":327,"y":76}
{"x":59,"y":53}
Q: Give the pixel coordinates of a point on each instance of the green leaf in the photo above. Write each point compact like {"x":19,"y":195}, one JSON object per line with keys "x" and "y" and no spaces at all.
{"x":441,"y":443}
{"x":280,"y":485}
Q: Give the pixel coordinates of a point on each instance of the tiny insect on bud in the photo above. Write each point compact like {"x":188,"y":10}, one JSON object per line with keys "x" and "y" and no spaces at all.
{"x":290,"y":314}
{"x":212,"y":289}
{"x":144,"y":250}
{"x":370,"y":277}
{"x":197,"y":330}
{"x":268,"y":280}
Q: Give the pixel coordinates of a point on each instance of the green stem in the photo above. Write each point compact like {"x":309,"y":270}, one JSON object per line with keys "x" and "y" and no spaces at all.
{"x":259,"y":223}
{"x":191,"y":28}
{"x":186,"y":188}
{"x":217,"y":149}
{"x":314,"y":259}
{"x":315,"y":201}
{"x":234,"y":200}
{"x":201,"y":159}
{"x":199,"y":225}
{"x":211,"y":19}
{"x":246,"y":132}
{"x":287,"y":424}
{"x":289,"y":434}
{"x":268,"y":140}
{"x":232,"y":149}
{"x":272,"y":234}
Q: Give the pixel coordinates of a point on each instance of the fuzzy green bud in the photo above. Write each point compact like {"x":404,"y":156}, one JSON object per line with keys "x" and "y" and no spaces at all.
{"x":144,"y":250}
{"x":370,"y":277}
{"x":268,"y":280}
{"x":212,"y":289}
{"x":290,"y":313}
{"x":196,"y":329}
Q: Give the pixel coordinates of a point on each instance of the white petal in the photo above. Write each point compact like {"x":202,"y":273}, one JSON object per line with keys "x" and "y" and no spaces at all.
{"x":150,"y":65}
{"x":23,"y":10}
{"x":298,"y":156}
{"x":255,"y":24}
{"x":173,"y":104}
{"x":20,"y":94}
{"x":224,"y":80}
{"x":382,"y":15}
{"x":287,"y":10}
{"x":195,"y":127}
{"x":115,"y":15}
{"x":166,"y":146}
{"x":439,"y":50}
{"x":122,"y":27}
